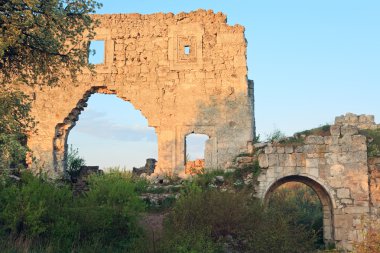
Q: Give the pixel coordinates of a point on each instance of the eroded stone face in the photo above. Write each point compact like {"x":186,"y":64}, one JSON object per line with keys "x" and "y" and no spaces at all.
{"x":186,"y":73}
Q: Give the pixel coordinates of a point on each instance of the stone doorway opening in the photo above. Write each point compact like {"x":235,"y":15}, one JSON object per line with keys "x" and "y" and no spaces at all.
{"x":196,"y":153}
{"x":111,"y":133}
{"x":307,"y":202}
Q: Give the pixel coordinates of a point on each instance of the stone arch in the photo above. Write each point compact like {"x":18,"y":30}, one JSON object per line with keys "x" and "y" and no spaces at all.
{"x":63,"y":128}
{"x":323,"y":194}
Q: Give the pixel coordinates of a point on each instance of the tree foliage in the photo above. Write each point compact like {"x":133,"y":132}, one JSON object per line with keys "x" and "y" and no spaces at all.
{"x":15,"y":124}
{"x":39,"y":38}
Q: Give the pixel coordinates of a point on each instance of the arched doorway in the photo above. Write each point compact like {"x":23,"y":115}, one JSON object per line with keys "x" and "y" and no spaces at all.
{"x":108,"y":132}
{"x":323,"y":195}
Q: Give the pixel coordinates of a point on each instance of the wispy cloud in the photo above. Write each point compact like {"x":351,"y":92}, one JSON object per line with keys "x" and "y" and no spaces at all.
{"x":97,"y":124}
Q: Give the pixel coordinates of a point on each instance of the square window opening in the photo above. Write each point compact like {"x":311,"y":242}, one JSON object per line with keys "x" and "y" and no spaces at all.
{"x":96,"y":52}
{"x":187,"y":50}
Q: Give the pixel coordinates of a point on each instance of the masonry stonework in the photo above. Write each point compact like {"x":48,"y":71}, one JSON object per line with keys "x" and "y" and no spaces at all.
{"x":337,"y":168}
{"x":186,"y":73}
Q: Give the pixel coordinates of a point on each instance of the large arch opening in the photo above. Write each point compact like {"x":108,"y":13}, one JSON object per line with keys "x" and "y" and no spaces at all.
{"x":307,"y":188}
{"x":111,"y":133}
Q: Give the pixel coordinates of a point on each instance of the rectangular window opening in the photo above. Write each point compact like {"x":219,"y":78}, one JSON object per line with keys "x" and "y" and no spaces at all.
{"x":96,"y":52}
{"x":187,"y":50}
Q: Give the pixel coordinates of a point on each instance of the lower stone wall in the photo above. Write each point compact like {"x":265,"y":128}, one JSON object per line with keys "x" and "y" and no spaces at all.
{"x":374,"y":170}
{"x":336,"y":167}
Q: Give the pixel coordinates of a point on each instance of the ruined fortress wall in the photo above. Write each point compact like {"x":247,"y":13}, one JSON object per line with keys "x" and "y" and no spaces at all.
{"x":337,"y":168}
{"x":204,"y":90}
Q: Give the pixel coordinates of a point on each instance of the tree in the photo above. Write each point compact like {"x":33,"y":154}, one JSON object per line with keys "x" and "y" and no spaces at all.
{"x":74,"y":162}
{"x":15,"y":124}
{"x":40,"y":38}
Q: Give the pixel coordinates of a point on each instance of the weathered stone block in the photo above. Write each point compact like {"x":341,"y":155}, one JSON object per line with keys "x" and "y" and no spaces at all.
{"x":244,"y":159}
{"x":290,"y":160}
{"x":269,"y":149}
{"x":281,"y":159}
{"x":273,"y":160}
{"x":300,"y":159}
{"x":343,"y":193}
{"x":280,"y":149}
{"x":314,"y":172}
{"x":343,"y":221}
{"x":367,"y":119}
{"x":263,"y":161}
{"x":312,"y":139}
{"x":311,"y":163}
{"x":336,"y":170}
{"x":289,"y":149}
{"x":339,"y":120}
{"x":356,"y":210}
{"x":349,"y":130}
{"x":346,"y":201}
{"x":335,"y":130}
{"x":299,"y":149}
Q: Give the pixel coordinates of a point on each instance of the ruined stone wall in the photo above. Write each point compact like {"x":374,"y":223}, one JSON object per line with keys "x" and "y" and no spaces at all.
{"x":336,"y":167}
{"x":204,"y":90}
{"x":360,"y":121}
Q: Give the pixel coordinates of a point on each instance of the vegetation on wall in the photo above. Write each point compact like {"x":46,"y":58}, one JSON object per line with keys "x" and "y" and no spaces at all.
{"x":373,"y":141}
{"x":298,"y":138}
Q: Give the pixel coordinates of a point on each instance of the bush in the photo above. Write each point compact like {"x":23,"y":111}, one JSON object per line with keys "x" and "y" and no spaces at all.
{"x":43,"y":216}
{"x":303,"y":207}
{"x":108,"y":213}
{"x":217,"y":218}
{"x":29,"y":210}
{"x":74,"y":163}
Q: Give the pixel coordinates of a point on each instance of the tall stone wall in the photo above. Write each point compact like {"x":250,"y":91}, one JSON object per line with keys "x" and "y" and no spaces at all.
{"x":186,"y":73}
{"x":337,"y":167}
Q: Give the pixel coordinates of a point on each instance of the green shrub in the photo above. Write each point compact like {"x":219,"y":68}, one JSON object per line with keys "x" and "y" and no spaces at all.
{"x":35,"y":210}
{"x":74,"y":162}
{"x":108,"y":212}
{"x":192,"y":241}
{"x":271,"y":230}
{"x":204,"y":180}
{"x":303,"y":207}
{"x":215,"y":216}
{"x":39,"y":214}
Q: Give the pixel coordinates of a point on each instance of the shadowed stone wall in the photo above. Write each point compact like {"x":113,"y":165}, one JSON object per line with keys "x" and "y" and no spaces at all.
{"x":337,"y":168}
{"x":203,"y":89}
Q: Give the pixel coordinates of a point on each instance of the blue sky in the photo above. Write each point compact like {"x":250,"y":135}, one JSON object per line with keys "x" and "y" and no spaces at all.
{"x":310,"y":60}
